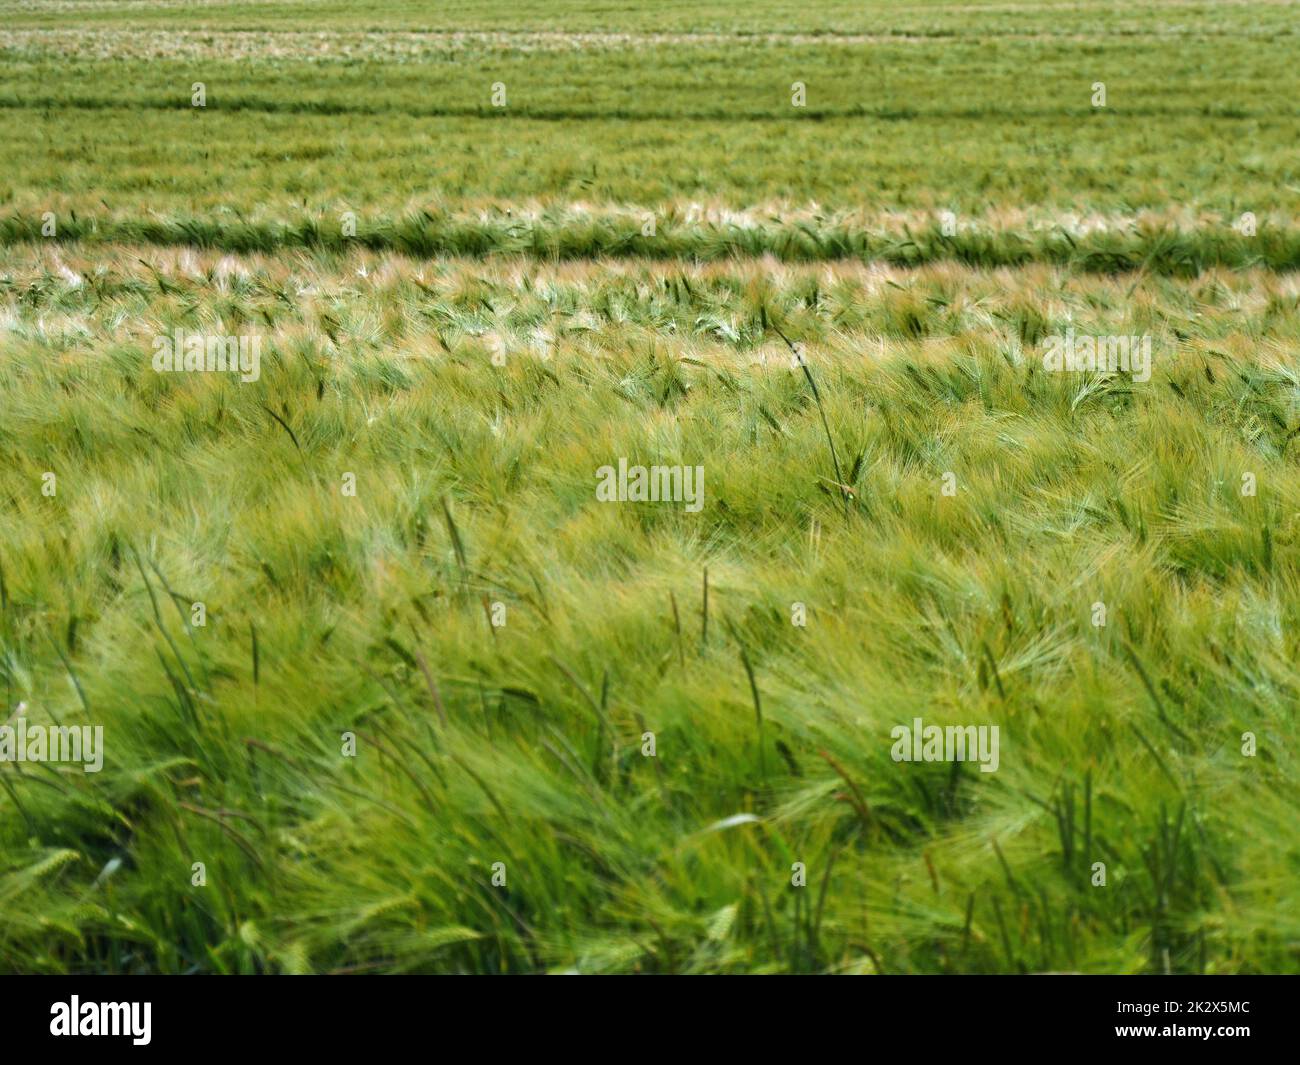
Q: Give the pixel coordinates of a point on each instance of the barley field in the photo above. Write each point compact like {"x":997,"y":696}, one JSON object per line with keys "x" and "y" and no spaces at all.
{"x":385,"y":681}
